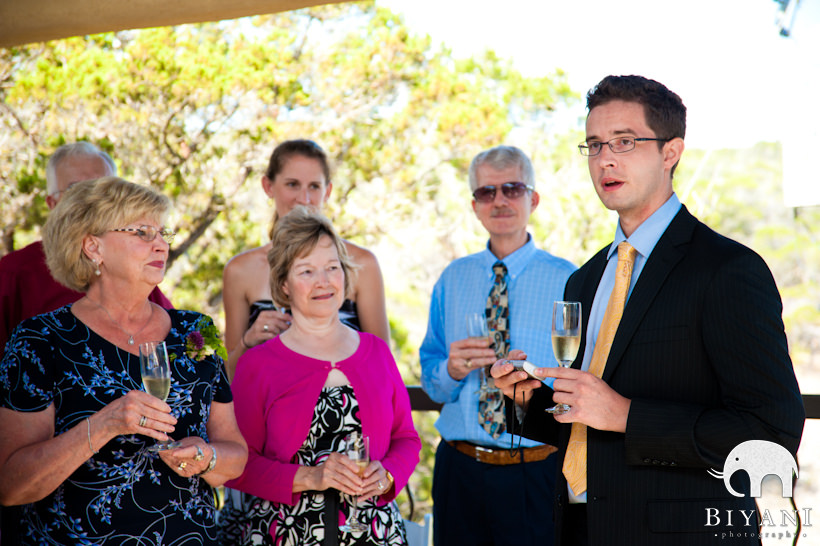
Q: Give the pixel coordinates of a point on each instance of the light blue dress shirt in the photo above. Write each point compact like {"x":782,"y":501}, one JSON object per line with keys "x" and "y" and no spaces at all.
{"x":535,"y":279}
{"x":644,"y":240}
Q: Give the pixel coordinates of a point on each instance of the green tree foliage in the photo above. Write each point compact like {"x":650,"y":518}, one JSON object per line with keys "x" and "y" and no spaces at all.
{"x":196,"y":110}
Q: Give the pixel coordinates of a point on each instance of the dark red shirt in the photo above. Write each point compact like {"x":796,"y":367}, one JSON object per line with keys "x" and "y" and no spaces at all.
{"x":28,"y":289}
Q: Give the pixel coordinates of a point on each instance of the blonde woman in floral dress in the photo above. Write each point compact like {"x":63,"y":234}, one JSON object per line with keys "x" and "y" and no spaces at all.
{"x":75,"y":424}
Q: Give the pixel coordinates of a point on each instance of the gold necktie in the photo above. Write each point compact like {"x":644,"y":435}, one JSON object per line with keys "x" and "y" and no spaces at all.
{"x":575,"y":461}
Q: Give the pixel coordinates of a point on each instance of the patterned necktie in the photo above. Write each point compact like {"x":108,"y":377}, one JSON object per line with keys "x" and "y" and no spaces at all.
{"x":497,"y":311}
{"x":575,"y":461}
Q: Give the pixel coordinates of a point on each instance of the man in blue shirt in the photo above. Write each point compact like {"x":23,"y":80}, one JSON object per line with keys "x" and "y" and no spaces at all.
{"x":485,"y":492}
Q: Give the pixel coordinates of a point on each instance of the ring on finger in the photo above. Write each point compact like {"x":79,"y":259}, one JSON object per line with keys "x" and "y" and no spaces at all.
{"x":143,"y":420}
{"x":199,"y":455}
{"x":468,"y":362}
{"x":265,"y":327}
{"x":182,"y":465}
{"x":379,"y":485}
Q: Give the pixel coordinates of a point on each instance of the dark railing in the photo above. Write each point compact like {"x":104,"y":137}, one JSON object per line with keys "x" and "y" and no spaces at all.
{"x":812,"y":404}
{"x":419,"y":401}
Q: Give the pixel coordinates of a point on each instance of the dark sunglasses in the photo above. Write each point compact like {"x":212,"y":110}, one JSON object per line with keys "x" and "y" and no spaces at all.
{"x":511,"y":190}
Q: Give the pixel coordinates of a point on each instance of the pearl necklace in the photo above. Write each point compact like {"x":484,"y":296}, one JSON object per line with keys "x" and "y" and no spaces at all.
{"x":117,"y":324}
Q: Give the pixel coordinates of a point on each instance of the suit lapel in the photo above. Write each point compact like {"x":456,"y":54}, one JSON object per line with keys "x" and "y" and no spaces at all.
{"x":665,"y":256}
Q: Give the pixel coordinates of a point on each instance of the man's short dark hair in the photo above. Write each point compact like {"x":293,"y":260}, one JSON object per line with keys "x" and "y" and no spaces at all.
{"x":664,"y":110}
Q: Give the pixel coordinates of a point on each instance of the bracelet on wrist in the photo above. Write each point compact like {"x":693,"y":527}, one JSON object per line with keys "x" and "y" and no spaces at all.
{"x":211,"y":464}
{"x":88,"y":431}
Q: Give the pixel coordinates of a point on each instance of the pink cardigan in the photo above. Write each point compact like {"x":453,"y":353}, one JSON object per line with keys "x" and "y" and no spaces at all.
{"x":275,"y":392}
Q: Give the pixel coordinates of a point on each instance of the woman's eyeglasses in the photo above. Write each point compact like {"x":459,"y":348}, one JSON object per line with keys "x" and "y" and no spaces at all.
{"x":149,"y":233}
{"x":511,"y":190}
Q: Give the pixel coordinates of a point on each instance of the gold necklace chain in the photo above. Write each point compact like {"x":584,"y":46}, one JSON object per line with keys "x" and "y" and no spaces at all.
{"x":117,"y":324}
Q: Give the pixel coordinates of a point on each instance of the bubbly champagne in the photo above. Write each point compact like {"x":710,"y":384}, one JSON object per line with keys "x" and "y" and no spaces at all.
{"x":158,"y":387}
{"x":566,"y":348}
{"x":362,"y":464}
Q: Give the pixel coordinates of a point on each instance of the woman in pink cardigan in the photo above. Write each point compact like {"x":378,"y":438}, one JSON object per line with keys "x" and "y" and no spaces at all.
{"x":299,"y":394}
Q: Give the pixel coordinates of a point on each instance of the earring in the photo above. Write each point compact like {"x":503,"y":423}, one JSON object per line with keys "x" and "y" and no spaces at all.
{"x":97,"y":271}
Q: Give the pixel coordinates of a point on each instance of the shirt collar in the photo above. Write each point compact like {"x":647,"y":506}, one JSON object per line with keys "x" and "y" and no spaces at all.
{"x":649,"y":232}
{"x":515,"y":262}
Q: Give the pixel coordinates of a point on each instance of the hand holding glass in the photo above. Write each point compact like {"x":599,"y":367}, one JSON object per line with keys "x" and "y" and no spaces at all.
{"x":156,"y":378}
{"x":477,"y":328}
{"x":566,"y":338}
{"x":357,"y":448}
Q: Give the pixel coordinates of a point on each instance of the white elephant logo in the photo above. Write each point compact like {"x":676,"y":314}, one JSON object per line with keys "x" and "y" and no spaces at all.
{"x":759,"y":459}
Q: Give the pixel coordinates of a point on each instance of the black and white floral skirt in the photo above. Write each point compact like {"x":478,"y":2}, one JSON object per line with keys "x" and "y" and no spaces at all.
{"x":246,"y":520}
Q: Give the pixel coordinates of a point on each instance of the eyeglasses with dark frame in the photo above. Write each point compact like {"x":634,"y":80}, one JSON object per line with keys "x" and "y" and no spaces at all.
{"x":511,"y":190}
{"x":618,"y":145}
{"x":149,"y":233}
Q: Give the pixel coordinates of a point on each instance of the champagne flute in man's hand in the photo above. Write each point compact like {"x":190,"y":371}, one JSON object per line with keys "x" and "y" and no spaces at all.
{"x":566,"y":338}
{"x":156,"y":378}
{"x":477,"y":327}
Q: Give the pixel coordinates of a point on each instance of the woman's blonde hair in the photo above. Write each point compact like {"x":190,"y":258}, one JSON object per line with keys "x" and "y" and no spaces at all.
{"x":92,"y":208}
{"x":296,"y":235}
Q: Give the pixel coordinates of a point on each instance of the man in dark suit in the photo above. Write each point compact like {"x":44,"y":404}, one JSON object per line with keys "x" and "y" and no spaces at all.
{"x":698,"y":363}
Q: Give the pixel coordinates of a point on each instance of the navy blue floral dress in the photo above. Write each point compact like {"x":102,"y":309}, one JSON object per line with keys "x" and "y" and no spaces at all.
{"x":124,"y":495}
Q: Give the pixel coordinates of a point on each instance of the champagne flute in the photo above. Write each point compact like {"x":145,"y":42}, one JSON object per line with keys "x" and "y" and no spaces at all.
{"x":477,"y":327}
{"x":566,"y":338}
{"x":357,"y":448}
{"x":156,"y":378}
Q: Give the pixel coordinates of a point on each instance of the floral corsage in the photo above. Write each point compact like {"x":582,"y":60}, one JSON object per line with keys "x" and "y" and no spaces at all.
{"x":204,"y":342}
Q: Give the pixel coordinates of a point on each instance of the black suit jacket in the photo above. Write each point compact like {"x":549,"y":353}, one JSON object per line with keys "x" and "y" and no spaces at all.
{"x":701,"y":353}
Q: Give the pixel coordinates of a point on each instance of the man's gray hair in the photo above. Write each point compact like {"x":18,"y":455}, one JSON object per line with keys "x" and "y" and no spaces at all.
{"x":72,"y":150}
{"x":500,"y":158}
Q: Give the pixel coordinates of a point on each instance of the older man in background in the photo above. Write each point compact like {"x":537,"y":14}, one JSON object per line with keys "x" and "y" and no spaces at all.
{"x":26,"y":286}
{"x":484,"y":491}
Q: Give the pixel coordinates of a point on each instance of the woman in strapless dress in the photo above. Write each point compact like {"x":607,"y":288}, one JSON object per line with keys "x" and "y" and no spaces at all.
{"x":298,"y":173}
